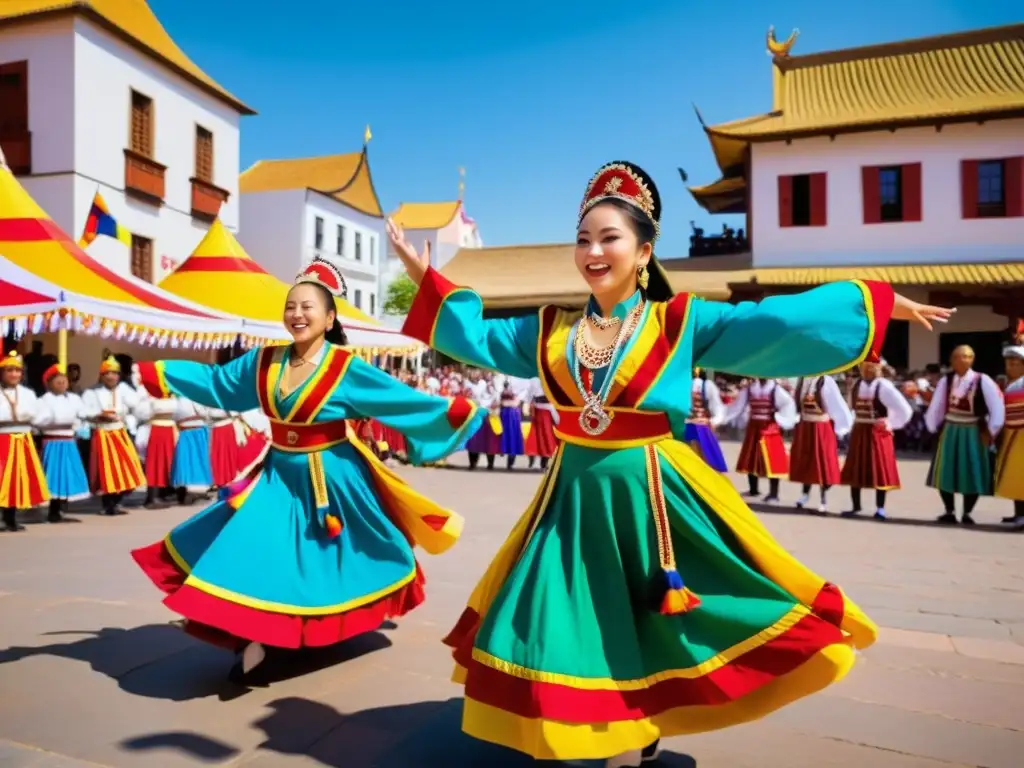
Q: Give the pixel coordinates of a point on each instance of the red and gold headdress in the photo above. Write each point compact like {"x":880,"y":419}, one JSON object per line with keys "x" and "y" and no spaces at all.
{"x":12,"y":360}
{"x":627,"y":182}
{"x":110,"y":365}
{"x":322,"y":272}
{"x":54,"y":370}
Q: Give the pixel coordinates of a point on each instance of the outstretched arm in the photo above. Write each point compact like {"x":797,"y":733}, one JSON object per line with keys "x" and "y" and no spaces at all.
{"x":434,"y":427}
{"x":231,"y":386}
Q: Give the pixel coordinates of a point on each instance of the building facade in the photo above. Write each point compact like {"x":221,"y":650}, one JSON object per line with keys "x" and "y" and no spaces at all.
{"x":901,"y":162}
{"x":294,"y":210}
{"x":98,"y":98}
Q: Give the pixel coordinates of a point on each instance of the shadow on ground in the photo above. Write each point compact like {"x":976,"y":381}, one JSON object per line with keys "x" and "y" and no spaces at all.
{"x":423,"y":734}
{"x":160,"y":661}
{"x":867,"y":517}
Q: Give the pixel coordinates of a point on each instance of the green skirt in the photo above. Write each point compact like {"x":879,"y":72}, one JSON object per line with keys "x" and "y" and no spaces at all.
{"x":570,"y":648}
{"x":962,"y":463}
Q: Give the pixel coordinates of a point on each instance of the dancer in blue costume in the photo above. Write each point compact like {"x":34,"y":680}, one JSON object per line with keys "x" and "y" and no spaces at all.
{"x":315,"y":544}
{"x":192,"y":472}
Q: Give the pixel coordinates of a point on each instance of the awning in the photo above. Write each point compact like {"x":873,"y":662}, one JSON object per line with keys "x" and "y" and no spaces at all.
{"x":30,"y":240}
{"x":1003,"y":274}
{"x":22,"y":310}
{"x":219,"y":274}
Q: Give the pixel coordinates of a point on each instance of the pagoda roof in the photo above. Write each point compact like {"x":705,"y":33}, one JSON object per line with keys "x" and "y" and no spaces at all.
{"x":426,"y":215}
{"x":346,"y":178}
{"x":134,"y":22}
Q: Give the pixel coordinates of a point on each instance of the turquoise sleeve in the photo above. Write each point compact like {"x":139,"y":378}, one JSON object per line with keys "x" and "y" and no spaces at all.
{"x":824,"y":330}
{"x":231,"y":386}
{"x":450,"y":319}
{"x":434,"y":427}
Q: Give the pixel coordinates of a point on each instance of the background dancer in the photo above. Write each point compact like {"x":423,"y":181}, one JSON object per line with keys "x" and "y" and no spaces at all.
{"x":814,"y":455}
{"x":315,"y":545}
{"x":486,"y":440}
{"x":58,"y":416}
{"x":707,"y":413}
{"x":511,"y":414}
{"x":968,"y":409}
{"x":227,"y":436}
{"x":114,"y":466}
{"x":763,"y":453}
{"x":1010,"y":460}
{"x":543,"y":420}
{"x":192,"y":475}
{"x":546,"y":657}
{"x":879,"y":410}
{"x":155,"y":439}
{"x":22,"y":480}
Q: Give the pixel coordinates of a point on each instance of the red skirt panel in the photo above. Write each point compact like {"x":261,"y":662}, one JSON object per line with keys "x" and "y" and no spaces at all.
{"x":22,"y":479}
{"x":160,"y":455}
{"x":224,"y":454}
{"x":254,"y":446}
{"x":394,"y":439}
{"x":542,"y":434}
{"x":232,"y":625}
{"x":871,"y":460}
{"x":814,"y":455}
{"x":764,"y":452}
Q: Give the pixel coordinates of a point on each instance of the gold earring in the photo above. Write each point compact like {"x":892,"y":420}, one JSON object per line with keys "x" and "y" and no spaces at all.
{"x":643,"y":277}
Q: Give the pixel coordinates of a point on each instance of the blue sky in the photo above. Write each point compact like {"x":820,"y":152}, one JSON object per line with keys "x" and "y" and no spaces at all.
{"x":530,"y":97}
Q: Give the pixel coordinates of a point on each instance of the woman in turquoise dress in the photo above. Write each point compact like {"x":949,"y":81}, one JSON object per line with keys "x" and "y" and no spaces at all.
{"x":315,"y":544}
{"x":638,"y":597}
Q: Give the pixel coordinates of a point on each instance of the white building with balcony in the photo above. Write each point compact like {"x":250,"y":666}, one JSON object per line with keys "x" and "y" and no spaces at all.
{"x":901,"y":162}
{"x":97,"y":97}
{"x":294,"y":210}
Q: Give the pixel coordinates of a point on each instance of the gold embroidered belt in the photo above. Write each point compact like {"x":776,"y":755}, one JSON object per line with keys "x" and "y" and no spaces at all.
{"x":814,"y":417}
{"x":961,"y":418}
{"x":628,"y":428}
{"x":313,"y":439}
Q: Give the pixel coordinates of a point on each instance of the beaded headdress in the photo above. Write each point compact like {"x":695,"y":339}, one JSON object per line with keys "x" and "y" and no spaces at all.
{"x":322,"y":272}
{"x":624,"y":181}
{"x":12,"y":360}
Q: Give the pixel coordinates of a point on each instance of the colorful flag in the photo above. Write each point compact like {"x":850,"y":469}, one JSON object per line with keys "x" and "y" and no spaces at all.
{"x":100,"y":222}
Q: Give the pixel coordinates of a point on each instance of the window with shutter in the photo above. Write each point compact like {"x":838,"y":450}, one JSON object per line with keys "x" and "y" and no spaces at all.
{"x":969,"y":188}
{"x":870,"y":182}
{"x":817,"y":187}
{"x":13,"y":99}
{"x":890,"y":193}
{"x":359,"y":247}
{"x":141,"y":140}
{"x":910,"y":179}
{"x":991,"y":188}
{"x":142,"y":258}
{"x":785,"y":201}
{"x":357,"y":299}
{"x":340,"y":245}
{"x":318,"y":233}
{"x":204,"y":154}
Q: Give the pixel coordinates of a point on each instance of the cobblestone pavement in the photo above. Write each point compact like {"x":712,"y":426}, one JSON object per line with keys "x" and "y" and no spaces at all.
{"x":92,"y":673}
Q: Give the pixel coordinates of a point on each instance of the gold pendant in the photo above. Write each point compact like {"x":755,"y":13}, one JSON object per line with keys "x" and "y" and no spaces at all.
{"x":594,"y":420}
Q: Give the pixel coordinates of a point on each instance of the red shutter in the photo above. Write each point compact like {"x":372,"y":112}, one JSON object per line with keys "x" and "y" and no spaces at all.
{"x":911,"y":180}
{"x":785,"y":201}
{"x":871,"y":192}
{"x":1014,"y":186}
{"x":819,"y":200}
{"x":969,"y":188}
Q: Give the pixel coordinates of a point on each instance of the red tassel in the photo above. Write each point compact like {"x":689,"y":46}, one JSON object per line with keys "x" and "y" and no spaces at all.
{"x":333,"y":526}
{"x":677,"y":601}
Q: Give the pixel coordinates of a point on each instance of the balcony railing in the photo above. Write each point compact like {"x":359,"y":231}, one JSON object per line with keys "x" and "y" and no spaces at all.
{"x":207,"y":199}
{"x":727,"y":243}
{"x":18,"y":152}
{"x":143,"y":177}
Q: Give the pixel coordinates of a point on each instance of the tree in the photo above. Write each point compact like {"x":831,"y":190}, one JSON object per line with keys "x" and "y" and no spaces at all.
{"x":400,"y":295}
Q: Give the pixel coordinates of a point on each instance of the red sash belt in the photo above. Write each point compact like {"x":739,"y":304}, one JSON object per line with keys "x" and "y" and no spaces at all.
{"x":628,"y":428}
{"x":307,"y":438}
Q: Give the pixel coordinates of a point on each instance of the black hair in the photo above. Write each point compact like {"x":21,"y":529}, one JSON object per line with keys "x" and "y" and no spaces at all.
{"x":658,"y":288}
{"x":335,"y":334}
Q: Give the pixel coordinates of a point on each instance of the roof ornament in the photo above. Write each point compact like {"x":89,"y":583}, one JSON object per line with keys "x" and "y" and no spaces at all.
{"x":781,"y":50}
{"x":462,"y":182}
{"x":367,"y":135}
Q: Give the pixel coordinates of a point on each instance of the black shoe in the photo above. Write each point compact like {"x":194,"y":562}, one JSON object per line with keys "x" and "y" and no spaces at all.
{"x":650,"y":753}
{"x":967,"y":520}
{"x":850,"y":513}
{"x":947,"y":518}
{"x":880,"y":516}
{"x":1012,"y":519}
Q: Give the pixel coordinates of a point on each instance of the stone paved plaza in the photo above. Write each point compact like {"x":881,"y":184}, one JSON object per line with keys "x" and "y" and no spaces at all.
{"x":93,"y":674}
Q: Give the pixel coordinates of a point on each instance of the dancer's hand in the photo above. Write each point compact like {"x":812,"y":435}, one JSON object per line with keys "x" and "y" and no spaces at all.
{"x":922,"y":314}
{"x":415,"y":263}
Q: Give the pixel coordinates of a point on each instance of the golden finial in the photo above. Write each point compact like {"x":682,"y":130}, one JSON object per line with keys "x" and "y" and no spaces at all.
{"x":462,"y":182}
{"x":367,"y":135}
{"x":779,"y":50}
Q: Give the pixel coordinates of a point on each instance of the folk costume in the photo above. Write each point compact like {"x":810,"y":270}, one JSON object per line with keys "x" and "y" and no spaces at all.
{"x":763,"y":453}
{"x":511,"y":415}
{"x":114,"y":466}
{"x":638,"y":596}
{"x":879,"y":410}
{"x":192,"y":472}
{"x":706,"y":414}
{"x":486,"y":441}
{"x":541,"y":441}
{"x":22,"y":480}
{"x":961,"y":408}
{"x":1009,"y":480}
{"x":316,"y":544}
{"x":227,"y":436}
{"x":256,"y":427}
{"x":814,"y":455}
{"x":58,"y":419}
{"x":156,"y":439}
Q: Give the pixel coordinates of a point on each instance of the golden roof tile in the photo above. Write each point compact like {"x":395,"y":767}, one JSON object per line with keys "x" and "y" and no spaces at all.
{"x":727,"y":195}
{"x":930,"y":80}
{"x":134,"y":22}
{"x":1009,"y":273}
{"x":426,"y":215}
{"x":346,"y":178}
{"x":523,"y":276}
